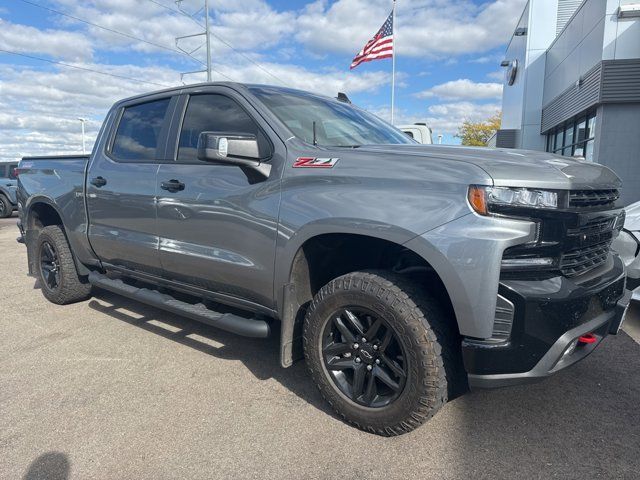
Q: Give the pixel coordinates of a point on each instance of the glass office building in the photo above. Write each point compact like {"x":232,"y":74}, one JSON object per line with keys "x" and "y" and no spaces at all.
{"x":572,"y":84}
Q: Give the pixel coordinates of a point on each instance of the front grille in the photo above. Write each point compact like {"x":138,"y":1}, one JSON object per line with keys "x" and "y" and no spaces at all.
{"x":593,"y":198}
{"x":581,"y":260}
{"x":597,"y":231}
{"x":572,"y":241}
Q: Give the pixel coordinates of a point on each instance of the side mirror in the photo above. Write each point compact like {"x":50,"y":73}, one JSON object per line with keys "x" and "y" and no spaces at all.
{"x":232,"y":148}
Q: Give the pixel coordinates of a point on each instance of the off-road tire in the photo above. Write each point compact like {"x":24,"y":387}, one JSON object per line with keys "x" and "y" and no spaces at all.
{"x":6,"y":209}
{"x":72,"y":288}
{"x":429,"y":335}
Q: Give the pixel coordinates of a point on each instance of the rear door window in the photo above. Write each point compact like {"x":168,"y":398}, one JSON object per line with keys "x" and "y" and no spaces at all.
{"x":138,"y":137}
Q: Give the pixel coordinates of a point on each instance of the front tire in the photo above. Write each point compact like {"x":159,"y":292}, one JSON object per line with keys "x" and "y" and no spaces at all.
{"x":6,"y":208}
{"x":379,"y":351}
{"x":59,"y":278}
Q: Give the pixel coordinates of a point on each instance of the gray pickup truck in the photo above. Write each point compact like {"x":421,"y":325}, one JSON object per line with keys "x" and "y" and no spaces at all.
{"x":403,"y":273}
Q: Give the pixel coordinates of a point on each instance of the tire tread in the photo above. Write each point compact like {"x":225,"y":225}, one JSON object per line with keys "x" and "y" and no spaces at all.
{"x":73,"y":288}
{"x":431,"y":334}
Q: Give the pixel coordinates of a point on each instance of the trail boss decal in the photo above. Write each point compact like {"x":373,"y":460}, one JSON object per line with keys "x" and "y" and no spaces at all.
{"x":313,"y":162}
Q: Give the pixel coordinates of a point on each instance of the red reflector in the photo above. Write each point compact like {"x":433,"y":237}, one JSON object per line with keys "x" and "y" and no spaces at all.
{"x":588,"y":338}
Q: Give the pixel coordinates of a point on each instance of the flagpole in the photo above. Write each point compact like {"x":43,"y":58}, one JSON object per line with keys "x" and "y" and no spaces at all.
{"x":393,"y":63}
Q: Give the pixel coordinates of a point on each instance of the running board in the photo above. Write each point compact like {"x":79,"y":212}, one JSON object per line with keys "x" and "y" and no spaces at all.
{"x":247,"y":327}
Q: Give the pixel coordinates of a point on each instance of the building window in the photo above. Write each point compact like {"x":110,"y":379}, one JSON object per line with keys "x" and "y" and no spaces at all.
{"x":574,"y":138}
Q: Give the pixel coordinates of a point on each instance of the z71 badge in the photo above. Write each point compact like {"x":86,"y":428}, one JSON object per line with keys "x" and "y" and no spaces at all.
{"x":313,"y":162}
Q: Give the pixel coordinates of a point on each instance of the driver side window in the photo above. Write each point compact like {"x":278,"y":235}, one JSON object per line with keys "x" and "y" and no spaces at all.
{"x":213,"y":113}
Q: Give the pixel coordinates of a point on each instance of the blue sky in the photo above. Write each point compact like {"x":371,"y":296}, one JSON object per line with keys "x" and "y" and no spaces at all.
{"x":447,"y":58}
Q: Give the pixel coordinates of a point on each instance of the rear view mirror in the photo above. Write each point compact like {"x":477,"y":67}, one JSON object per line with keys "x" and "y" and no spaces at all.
{"x":232,"y":148}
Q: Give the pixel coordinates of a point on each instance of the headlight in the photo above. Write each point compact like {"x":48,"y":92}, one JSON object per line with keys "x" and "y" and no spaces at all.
{"x":481,"y":198}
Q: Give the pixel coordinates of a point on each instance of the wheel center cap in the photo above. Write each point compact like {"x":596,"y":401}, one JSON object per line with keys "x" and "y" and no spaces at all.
{"x":367,"y":354}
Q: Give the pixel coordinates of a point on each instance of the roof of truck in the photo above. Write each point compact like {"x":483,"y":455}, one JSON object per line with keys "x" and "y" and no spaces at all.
{"x":196,"y":86}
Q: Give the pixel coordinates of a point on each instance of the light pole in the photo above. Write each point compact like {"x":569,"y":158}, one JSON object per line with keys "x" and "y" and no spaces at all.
{"x":82,"y":120}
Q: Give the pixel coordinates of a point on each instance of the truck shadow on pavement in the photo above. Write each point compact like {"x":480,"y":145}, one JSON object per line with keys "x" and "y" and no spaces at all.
{"x":49,"y":466}
{"x":261,"y":356}
{"x":584,"y":421}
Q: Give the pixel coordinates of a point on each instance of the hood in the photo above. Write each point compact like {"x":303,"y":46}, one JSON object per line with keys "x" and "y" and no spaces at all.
{"x":514,"y":168}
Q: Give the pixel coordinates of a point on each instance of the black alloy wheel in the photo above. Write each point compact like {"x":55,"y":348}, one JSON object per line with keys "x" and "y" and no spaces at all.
{"x":50,"y":266}
{"x":364,"y":357}
{"x":382,"y":351}
{"x":56,"y":267}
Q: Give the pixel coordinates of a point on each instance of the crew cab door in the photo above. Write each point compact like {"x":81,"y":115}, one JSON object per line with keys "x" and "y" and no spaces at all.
{"x":218,"y":223}
{"x":121,"y":185}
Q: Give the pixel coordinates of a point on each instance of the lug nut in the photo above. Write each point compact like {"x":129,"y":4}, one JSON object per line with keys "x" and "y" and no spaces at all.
{"x":369,"y":367}
{"x":377,"y":361}
{"x":358,"y":360}
{"x":347,"y":355}
{"x":356,"y":346}
{"x":364,"y":340}
{"x":375,"y":347}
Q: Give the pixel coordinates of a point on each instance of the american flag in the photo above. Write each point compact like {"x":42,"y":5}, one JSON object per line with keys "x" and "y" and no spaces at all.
{"x":380,"y":46}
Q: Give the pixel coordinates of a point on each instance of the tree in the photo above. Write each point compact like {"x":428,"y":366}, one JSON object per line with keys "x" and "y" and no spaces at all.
{"x":477,"y":134}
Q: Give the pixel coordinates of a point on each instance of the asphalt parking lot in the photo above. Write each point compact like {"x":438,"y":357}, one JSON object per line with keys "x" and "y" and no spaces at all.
{"x":113,"y":389}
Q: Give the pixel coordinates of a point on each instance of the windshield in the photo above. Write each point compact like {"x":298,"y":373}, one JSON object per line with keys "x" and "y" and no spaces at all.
{"x":337,"y":124}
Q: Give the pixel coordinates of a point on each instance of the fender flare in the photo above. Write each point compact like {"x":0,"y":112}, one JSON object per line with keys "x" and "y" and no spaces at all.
{"x":289,"y":306}
{"x":30,"y":237}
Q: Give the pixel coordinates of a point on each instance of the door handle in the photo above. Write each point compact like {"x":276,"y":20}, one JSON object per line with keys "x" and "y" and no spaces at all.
{"x":98,"y":182}
{"x":172,"y":185}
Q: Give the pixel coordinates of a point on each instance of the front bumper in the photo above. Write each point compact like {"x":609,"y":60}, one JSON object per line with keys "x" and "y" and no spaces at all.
{"x":550,"y":315}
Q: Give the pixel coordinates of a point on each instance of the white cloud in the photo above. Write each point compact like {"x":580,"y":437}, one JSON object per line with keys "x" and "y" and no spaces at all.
{"x":424,"y":28}
{"x":496,"y":75}
{"x":463,"y":89}
{"x":57,"y":43}
{"x":448,"y":117}
{"x":249,"y":25}
{"x":271,"y":27}
{"x":443,"y":118}
{"x":40,"y":108}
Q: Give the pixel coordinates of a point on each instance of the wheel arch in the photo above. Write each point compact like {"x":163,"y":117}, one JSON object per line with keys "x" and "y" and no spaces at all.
{"x":321,"y":257}
{"x":40,"y":212}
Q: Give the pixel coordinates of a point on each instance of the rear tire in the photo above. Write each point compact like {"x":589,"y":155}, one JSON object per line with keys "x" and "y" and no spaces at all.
{"x":57,"y":271}
{"x":6,"y":209}
{"x":425,"y":358}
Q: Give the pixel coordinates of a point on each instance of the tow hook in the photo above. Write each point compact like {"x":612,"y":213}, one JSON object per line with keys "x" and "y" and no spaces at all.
{"x":587,"y":339}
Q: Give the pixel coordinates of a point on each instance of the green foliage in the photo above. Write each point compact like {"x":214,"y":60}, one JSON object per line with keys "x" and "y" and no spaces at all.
{"x":478,"y":134}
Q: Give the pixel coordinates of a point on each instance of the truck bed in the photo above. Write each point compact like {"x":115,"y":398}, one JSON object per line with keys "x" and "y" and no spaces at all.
{"x":57,"y":180}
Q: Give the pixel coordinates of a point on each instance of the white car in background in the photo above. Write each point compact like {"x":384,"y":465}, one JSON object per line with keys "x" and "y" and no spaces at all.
{"x":628,"y":247}
{"x":420,"y":132}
